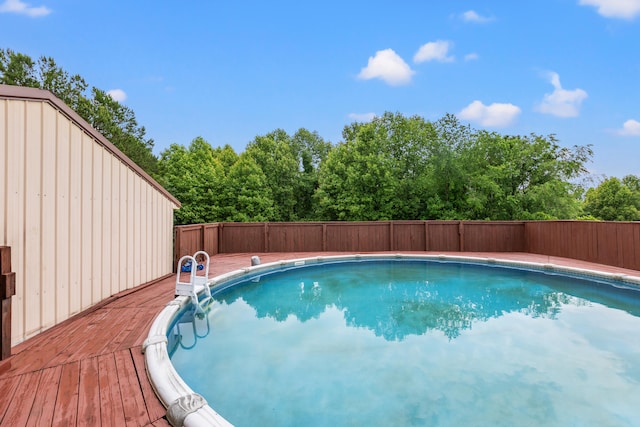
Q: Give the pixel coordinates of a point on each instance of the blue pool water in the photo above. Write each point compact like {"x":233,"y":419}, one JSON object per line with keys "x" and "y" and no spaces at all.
{"x":415,"y":343}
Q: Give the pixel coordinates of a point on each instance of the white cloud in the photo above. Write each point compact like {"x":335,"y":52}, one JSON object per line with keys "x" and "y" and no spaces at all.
{"x":561,"y":102}
{"x":471,"y":56}
{"x":494,"y":115}
{"x":362,"y":117}
{"x":434,"y":51}
{"x":387,"y":66}
{"x":21,"y":8}
{"x":473,"y":16}
{"x":625,"y":9}
{"x":117,"y":95}
{"x":630,"y":128}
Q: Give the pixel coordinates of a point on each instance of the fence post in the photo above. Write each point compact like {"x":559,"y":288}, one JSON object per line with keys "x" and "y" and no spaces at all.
{"x":177,"y":245}
{"x":324,"y":236}
{"x":266,"y":237}
{"x":7,"y":290}
{"x":426,"y":235}
{"x":461,"y":235}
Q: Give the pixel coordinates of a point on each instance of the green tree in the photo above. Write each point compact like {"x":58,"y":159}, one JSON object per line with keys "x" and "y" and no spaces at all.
{"x":196,"y":178}
{"x":615,"y":200}
{"x":119,"y":125}
{"x":393,"y":167}
{"x":226,"y":155}
{"x":515,"y":177}
{"x":275,"y":155}
{"x":17,"y":69}
{"x":444,"y":176}
{"x":246,"y":195}
{"x":360,"y":178}
{"x":632,"y":182}
{"x":311,"y":150}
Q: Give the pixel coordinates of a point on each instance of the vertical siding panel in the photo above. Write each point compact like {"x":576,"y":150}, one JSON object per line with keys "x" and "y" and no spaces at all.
{"x":162,"y":238}
{"x":155,"y":235}
{"x":151,"y":228}
{"x":116,"y":204}
{"x":145,"y":224}
{"x":75,"y":220}
{"x":32,"y":214}
{"x":86,"y":278}
{"x":107,"y":236}
{"x":137,"y":230}
{"x":62,"y":234}
{"x":168,"y":236}
{"x":48,"y":248}
{"x":142,"y":216}
{"x":124,"y":241}
{"x":158,"y":255}
{"x":131,"y":235}
{"x":3,"y":170}
{"x":97,"y":241}
{"x":15,"y":211}
{"x":147,"y":221}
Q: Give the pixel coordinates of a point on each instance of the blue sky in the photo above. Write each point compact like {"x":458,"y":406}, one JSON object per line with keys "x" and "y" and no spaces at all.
{"x":228,"y":71}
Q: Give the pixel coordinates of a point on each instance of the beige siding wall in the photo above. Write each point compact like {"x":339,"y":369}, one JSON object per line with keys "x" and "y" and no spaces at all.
{"x":82,"y":224}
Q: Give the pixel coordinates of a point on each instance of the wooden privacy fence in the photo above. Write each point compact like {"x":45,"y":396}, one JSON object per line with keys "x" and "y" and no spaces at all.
{"x":610,"y":243}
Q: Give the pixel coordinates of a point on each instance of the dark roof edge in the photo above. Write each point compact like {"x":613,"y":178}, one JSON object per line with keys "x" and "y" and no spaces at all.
{"x":28,"y":93}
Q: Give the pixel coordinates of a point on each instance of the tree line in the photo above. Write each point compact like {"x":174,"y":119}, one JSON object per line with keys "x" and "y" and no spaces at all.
{"x":391,"y":168}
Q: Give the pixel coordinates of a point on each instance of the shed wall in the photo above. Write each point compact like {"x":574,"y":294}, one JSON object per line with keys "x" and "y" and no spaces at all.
{"x":83,"y":224}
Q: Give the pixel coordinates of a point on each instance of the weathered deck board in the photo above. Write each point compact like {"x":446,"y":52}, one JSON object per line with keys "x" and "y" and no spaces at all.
{"x":8,"y":387}
{"x":102,"y":336}
{"x":135,"y":410}
{"x":66,"y":410}
{"x":136,"y":320}
{"x":89,"y":393}
{"x":89,"y":370}
{"x":18,"y":411}
{"x":45,"y":400}
{"x":112,"y":412}
{"x":39,"y":356}
{"x":155,"y":409}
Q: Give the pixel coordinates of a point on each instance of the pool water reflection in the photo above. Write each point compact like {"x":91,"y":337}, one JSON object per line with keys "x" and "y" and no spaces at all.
{"x":414,"y":343}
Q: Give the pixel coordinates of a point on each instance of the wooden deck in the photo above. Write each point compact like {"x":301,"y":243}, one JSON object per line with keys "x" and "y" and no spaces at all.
{"x":90,"y":370}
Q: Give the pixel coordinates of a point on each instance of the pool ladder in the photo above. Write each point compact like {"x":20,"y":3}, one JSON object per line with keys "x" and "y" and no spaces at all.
{"x":197,"y":284}
{"x":188,"y":330}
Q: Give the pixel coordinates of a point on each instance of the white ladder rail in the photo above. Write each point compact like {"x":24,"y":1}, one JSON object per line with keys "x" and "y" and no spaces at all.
{"x":204,"y":278}
{"x":197,"y":283}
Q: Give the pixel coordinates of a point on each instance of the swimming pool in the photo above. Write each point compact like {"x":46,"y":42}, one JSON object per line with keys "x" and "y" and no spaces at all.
{"x":510,"y":350}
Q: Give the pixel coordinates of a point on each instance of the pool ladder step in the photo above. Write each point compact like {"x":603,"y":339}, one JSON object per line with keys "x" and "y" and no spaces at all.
{"x":198,"y":284}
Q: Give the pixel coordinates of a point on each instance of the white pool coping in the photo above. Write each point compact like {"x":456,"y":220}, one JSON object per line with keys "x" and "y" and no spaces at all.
{"x":187,"y":408}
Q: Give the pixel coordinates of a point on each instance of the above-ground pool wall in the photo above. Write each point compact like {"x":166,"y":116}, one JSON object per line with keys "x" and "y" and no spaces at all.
{"x":82,"y":220}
